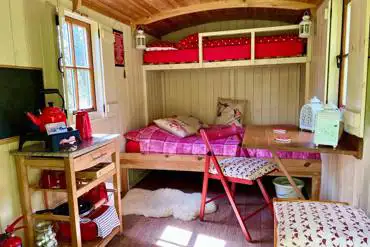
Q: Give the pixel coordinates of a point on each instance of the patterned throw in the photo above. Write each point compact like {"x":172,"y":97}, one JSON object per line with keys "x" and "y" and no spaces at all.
{"x":107,"y":222}
{"x":152,"y":139}
{"x":321,"y":224}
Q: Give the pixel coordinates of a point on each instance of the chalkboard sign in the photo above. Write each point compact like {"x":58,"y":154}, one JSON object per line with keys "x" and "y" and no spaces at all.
{"x":19,"y":93}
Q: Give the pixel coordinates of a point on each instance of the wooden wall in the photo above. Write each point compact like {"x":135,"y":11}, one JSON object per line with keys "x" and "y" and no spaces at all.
{"x":155,"y":95}
{"x":272,"y":92}
{"x":319,"y":54}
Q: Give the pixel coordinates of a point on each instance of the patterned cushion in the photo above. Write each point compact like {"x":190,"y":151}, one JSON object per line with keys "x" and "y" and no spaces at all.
{"x":245,"y":168}
{"x":320,"y":224}
{"x":176,"y":127}
{"x":230,"y":111}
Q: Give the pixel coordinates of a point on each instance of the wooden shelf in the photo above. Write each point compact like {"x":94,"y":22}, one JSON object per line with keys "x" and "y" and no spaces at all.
{"x":51,"y":217}
{"x":82,"y":190}
{"x":36,"y":188}
{"x":45,"y":163}
{"x":224,"y":64}
{"x":97,"y":243}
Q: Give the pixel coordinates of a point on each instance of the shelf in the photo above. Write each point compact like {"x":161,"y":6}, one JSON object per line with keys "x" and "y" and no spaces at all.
{"x":51,"y":217}
{"x":82,"y":190}
{"x":97,"y":243}
{"x":45,"y":163}
{"x":36,"y":188}
{"x":224,"y":64}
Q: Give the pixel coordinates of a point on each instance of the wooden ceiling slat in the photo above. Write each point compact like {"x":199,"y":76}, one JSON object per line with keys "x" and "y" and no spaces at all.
{"x":103,"y":9}
{"x":283,"y":4}
{"x":160,"y":17}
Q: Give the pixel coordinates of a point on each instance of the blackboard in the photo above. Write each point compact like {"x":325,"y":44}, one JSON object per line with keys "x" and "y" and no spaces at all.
{"x":19,"y":93}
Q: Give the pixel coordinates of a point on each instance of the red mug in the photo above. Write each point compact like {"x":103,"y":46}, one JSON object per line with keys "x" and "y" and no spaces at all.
{"x":83,"y":125}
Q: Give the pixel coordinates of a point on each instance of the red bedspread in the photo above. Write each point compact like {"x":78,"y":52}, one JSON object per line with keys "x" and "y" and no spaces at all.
{"x":152,"y":139}
{"x":266,"y":47}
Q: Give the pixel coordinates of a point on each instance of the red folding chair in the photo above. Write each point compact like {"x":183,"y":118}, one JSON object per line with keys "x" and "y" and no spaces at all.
{"x":233,"y":170}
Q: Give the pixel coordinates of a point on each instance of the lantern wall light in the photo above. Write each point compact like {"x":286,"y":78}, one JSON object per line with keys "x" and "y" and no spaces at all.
{"x":305,"y":26}
{"x":140,"y":39}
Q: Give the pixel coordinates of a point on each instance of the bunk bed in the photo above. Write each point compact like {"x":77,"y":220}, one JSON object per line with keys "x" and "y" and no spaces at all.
{"x":255,"y":50}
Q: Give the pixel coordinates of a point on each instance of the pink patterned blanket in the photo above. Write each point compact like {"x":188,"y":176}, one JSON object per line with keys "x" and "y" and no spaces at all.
{"x":152,"y":139}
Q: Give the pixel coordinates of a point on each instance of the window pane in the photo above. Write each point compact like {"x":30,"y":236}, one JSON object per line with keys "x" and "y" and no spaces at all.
{"x":80,"y":45}
{"x":84,"y":89}
{"x":67,"y":49}
{"x":71,"y":89}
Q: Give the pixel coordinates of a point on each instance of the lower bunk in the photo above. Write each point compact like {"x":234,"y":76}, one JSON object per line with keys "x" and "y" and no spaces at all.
{"x":152,"y":148}
{"x":307,"y":168}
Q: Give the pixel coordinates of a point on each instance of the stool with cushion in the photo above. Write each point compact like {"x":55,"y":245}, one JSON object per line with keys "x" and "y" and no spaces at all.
{"x":316,"y":223}
{"x":233,"y":170}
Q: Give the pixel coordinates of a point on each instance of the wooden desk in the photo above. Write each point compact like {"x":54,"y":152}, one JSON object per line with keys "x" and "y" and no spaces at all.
{"x":263,"y":137}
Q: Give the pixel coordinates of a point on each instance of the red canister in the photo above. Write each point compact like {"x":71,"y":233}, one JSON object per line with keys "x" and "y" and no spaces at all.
{"x":83,"y":125}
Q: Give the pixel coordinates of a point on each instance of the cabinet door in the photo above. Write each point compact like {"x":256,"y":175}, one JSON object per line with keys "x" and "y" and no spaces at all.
{"x":357,"y":67}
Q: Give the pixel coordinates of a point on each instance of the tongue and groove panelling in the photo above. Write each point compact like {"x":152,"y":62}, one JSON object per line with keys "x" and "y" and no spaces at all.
{"x":272,"y":92}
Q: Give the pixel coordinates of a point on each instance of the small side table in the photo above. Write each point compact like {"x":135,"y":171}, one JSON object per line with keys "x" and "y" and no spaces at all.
{"x":99,"y":149}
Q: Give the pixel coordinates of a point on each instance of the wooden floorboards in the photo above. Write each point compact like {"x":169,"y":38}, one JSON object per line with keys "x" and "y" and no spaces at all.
{"x":219,"y":230}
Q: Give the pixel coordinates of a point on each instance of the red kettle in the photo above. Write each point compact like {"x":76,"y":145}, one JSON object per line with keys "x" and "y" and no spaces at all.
{"x":50,"y":114}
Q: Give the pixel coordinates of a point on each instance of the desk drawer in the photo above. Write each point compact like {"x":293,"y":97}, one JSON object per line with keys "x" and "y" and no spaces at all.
{"x":95,"y":157}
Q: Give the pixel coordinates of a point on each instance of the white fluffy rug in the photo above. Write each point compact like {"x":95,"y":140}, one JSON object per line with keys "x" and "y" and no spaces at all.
{"x":164,"y":203}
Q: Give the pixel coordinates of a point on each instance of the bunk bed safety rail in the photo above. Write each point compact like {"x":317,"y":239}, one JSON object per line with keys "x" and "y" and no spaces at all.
{"x":251,"y":31}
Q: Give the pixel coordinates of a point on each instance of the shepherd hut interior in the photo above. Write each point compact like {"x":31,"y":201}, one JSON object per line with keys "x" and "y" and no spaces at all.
{"x":184,"y":123}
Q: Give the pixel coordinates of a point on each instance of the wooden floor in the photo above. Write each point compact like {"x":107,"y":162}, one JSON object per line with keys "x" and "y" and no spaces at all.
{"x":219,"y":230}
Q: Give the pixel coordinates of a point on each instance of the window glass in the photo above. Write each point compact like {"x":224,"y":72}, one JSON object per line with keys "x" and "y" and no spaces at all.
{"x":79,"y":74}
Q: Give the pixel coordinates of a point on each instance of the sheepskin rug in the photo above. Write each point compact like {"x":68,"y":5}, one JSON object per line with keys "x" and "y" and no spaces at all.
{"x":164,"y":203}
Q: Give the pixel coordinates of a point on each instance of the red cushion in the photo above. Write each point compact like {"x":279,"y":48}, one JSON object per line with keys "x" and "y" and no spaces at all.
{"x":132,"y":147}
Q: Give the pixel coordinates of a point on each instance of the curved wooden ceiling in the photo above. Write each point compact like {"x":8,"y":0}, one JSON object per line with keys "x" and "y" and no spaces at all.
{"x":147,"y":12}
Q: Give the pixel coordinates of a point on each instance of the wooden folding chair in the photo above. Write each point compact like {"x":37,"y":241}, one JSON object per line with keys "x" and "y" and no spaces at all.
{"x":233,"y":170}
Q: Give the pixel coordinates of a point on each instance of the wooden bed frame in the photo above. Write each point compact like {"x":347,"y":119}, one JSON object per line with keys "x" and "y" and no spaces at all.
{"x":195,"y":163}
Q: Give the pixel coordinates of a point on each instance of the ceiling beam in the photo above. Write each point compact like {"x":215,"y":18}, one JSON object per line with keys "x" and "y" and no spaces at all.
{"x":206,"y":6}
{"x":107,"y":11}
{"x":76,"y":4}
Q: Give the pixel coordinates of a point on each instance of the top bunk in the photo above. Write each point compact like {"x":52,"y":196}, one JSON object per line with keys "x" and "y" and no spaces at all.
{"x":233,"y":48}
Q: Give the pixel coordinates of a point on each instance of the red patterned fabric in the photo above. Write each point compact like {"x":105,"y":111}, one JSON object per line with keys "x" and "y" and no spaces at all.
{"x":189,"y":42}
{"x":162,"y":43}
{"x":229,"y":49}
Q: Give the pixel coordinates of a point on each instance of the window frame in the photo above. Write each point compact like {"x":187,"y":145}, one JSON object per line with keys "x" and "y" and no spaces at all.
{"x":344,"y":55}
{"x":70,"y":21}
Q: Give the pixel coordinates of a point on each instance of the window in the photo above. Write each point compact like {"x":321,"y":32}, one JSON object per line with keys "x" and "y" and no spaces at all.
{"x":79,"y":69}
{"x":345,"y":52}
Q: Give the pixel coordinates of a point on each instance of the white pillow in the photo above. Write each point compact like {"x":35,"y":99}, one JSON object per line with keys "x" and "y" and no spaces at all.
{"x":176,"y":127}
{"x":230,"y":111}
{"x":193,"y":121}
